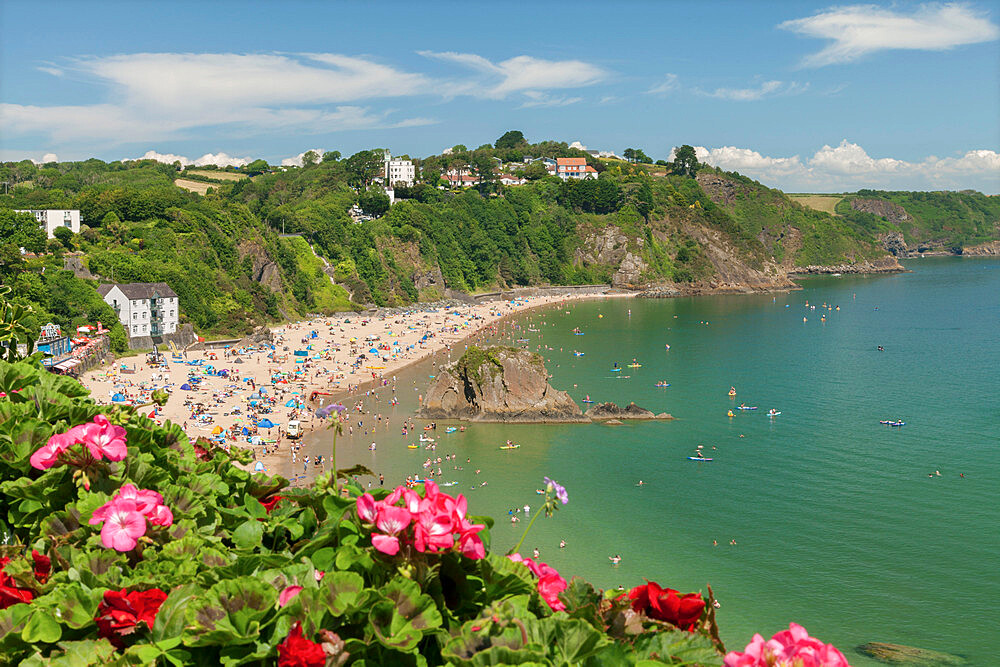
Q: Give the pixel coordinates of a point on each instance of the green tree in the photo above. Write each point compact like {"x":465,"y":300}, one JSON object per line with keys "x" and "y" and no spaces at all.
{"x":65,"y":236}
{"x":686,"y":161}
{"x":511,"y":139}
{"x":373,"y":201}
{"x":363,"y":167}
{"x":457,"y":148}
{"x":309,"y":158}
{"x":257,"y":167}
{"x":113,"y":225}
{"x":535,"y":171}
{"x":483,"y":163}
{"x":331,"y":156}
{"x":22,"y":230}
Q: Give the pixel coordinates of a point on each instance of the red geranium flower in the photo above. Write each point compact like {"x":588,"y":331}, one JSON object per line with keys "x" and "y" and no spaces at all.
{"x":43,"y":566}
{"x":297,"y":651}
{"x":269,"y":504}
{"x":121,"y":611}
{"x":10,"y":593}
{"x":665,"y":604}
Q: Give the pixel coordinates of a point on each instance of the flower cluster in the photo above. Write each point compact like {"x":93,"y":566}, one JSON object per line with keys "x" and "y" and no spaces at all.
{"x":100,"y":437}
{"x":789,"y":647}
{"x":666,"y":604}
{"x":327,"y":410}
{"x":125,"y":515}
{"x":297,"y":651}
{"x":10,"y":592}
{"x":120,"y":612}
{"x":550,"y":584}
{"x":434,"y":523}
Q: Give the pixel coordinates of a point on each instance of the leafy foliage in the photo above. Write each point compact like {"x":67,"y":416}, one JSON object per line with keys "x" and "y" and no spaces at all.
{"x":237,"y":576}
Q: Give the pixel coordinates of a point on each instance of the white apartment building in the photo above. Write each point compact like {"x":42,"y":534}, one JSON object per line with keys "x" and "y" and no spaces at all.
{"x":399,"y":171}
{"x":52,"y":219}
{"x":144,"y":309}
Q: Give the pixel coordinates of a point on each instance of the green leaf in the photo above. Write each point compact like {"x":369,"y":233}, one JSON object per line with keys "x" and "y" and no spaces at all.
{"x":249,"y":534}
{"x":401,"y":619}
{"x":671,"y":644}
{"x":253,"y":507}
{"x":169,"y":622}
{"x":340,"y":591}
{"x":230,"y":612}
{"x":41,"y":627}
{"x":73,"y":605}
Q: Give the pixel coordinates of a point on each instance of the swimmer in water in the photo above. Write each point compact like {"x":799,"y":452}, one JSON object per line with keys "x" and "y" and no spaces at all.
{"x":615,"y":559}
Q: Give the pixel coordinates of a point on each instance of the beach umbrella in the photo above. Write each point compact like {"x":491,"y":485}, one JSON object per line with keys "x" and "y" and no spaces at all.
{"x":265,"y":423}
{"x":258,"y":467}
{"x":290,"y":403}
{"x":186,"y":387}
{"x":118,"y":398}
{"x":373,"y":351}
{"x":217,"y":430}
{"x":245,"y":431}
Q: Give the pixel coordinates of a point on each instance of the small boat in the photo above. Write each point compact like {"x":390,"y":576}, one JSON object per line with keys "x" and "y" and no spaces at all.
{"x":413,"y":446}
{"x":451,"y":429}
{"x":746,"y":407}
{"x":662,"y":384}
{"x":510,"y":446}
{"x":698,"y":458}
{"x":635,"y":365}
{"x":892,"y":422}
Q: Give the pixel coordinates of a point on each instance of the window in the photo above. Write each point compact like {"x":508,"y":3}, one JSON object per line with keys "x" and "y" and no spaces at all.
{"x":143,"y":328}
{"x":135,"y":316}
{"x":135,"y":328}
{"x":171,"y":313}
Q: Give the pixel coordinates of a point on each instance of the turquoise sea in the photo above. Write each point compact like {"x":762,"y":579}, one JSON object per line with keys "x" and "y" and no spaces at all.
{"x":838,"y":525}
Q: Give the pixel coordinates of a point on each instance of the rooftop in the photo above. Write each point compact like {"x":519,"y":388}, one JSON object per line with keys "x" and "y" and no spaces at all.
{"x":139,"y":290}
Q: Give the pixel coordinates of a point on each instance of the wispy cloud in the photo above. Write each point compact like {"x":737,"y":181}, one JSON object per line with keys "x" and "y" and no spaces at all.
{"x":759,"y":92}
{"x":668,"y":85}
{"x":539,"y":99}
{"x":859,"y":30}
{"x":520,"y":74}
{"x":847,"y":166}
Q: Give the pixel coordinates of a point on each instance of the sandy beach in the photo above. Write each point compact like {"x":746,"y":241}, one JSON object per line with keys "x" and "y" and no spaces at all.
{"x":231,"y":395}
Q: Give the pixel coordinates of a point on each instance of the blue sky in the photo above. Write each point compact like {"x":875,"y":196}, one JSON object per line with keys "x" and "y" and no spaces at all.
{"x":802,"y":96}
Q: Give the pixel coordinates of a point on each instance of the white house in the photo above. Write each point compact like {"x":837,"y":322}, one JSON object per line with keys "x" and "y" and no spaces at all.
{"x":144,"y":309}
{"x":53,"y":219}
{"x":574,"y":167}
{"x":398,"y":171}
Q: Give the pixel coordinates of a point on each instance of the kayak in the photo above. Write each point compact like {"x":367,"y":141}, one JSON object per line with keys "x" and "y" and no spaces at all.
{"x":578,"y":354}
{"x":662,"y":384}
{"x":616,"y":370}
{"x":413,"y":447}
{"x":698,"y":458}
{"x":586,"y":401}
{"x":774,"y":414}
{"x":635,"y":365}
{"x":578,"y":333}
{"x":510,"y":446}
{"x":450,"y":429}
{"x":889,"y":422}
{"x":746,"y":407}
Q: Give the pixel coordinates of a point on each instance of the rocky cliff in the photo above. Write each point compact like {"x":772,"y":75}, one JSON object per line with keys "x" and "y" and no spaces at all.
{"x":498,"y":384}
{"x":630,"y":411}
{"x":892,"y":212}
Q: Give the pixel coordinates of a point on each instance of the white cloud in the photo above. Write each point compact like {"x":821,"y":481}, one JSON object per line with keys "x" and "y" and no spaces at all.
{"x":49,"y":157}
{"x":296,"y":160}
{"x":859,"y":30}
{"x":668,"y":85}
{"x":539,"y":99}
{"x":521,"y":74}
{"x":765,"y":89}
{"x":218,"y":159}
{"x":160,"y":95}
{"x":848,"y":167}
{"x":577,"y":145}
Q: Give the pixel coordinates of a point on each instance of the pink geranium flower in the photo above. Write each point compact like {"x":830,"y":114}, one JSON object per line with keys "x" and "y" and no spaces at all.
{"x":550,"y":583}
{"x":286,"y":595}
{"x":367,"y":509}
{"x":123,"y":526}
{"x":105,"y":439}
{"x":391,"y":521}
{"x":787,"y":647}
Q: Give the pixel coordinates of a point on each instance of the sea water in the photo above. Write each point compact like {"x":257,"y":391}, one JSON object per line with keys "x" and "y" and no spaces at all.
{"x":841,"y":524}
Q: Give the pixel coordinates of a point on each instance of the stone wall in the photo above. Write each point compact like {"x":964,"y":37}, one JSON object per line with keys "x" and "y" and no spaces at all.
{"x":182,"y":338}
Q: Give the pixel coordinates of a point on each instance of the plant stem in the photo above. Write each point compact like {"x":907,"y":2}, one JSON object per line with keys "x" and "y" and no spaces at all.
{"x":519,"y":542}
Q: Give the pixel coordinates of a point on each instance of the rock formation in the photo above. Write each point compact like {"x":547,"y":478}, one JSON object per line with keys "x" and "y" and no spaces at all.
{"x":886,"y":209}
{"x":909,"y":656}
{"x":612,"y":412}
{"x":498,"y":384}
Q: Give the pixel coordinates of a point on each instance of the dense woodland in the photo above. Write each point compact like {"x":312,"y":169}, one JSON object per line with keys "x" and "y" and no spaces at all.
{"x":279,"y":244}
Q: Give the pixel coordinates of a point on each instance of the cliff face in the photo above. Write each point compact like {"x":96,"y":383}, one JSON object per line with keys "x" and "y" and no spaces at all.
{"x":892,"y":212}
{"x":498,"y":384}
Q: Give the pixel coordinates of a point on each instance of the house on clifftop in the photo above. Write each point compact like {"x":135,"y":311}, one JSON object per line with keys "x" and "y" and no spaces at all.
{"x":144,"y":309}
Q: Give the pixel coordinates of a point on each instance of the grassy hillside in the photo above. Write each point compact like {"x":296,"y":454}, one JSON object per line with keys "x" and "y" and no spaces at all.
{"x":824,"y":203}
{"x":948,"y":220}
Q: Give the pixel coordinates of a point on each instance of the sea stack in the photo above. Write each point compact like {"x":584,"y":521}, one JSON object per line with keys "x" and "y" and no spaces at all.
{"x":498,"y":384}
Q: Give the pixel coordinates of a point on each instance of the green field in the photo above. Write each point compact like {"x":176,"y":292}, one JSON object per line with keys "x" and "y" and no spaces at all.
{"x":825,"y":203}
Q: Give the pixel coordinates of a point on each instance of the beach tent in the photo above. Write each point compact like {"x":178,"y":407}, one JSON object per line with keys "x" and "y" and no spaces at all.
{"x":245,"y":431}
{"x":373,"y":351}
{"x":186,"y":387}
{"x":258,"y":467}
{"x":265,"y":423}
{"x":118,"y":398}
{"x":237,"y":360}
{"x":217,"y":430}
{"x":290,"y":403}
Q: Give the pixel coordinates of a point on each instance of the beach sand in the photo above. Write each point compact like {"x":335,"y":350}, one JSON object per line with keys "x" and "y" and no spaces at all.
{"x":275,"y":384}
